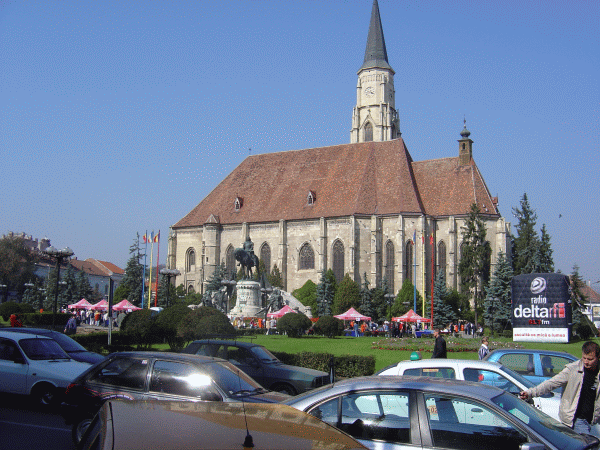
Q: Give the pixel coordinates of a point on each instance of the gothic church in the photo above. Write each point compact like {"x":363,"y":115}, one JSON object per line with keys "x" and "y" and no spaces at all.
{"x":360,"y":208}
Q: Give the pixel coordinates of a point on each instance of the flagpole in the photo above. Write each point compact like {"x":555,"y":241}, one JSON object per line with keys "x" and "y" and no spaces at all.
{"x":144,"y":271}
{"x":423,"y":270}
{"x":432,"y":274}
{"x":157,"y":259}
{"x":150,"y":272}
{"x":415,"y":272}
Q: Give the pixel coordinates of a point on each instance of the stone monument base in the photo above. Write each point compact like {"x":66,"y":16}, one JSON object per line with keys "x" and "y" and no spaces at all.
{"x":248,"y":302}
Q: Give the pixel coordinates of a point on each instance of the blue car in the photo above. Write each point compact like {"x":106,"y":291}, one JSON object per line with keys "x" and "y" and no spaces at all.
{"x":534,"y":365}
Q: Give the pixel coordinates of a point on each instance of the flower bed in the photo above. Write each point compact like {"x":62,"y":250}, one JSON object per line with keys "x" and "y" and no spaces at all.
{"x":426,"y":344}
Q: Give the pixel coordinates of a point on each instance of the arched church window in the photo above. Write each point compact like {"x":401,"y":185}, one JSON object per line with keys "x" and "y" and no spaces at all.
{"x":311,"y":197}
{"x":190,"y":260}
{"x":238,"y":203}
{"x":441,"y":258}
{"x":389,"y":265}
{"x":408,"y":261}
{"x":306,"y":259}
{"x":230,"y":261}
{"x":368,"y":132}
{"x":190,"y":289}
{"x":265,"y":256}
{"x":338,"y":260}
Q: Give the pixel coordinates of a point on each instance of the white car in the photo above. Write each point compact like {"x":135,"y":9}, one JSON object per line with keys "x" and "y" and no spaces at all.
{"x":490,"y":373}
{"x":35,"y":365}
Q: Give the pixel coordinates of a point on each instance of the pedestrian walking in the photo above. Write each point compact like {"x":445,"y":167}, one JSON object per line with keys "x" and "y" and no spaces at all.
{"x":439,"y":347}
{"x":483,"y":350}
{"x":580,"y":401}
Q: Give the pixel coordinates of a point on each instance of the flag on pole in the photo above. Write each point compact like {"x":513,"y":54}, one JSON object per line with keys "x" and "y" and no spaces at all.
{"x":157,"y":237}
{"x":145,"y":238}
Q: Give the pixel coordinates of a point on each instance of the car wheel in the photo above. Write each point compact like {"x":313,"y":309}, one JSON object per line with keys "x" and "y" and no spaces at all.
{"x":44,"y":395}
{"x":79,"y":429}
{"x":284,"y":388}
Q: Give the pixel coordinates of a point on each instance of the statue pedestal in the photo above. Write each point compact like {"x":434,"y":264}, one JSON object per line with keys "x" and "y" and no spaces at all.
{"x":248,"y":299}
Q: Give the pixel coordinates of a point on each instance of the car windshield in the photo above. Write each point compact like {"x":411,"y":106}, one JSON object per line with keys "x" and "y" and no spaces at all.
{"x":67,"y":344}
{"x":231,"y":380}
{"x":42,"y":349}
{"x":517,"y":376}
{"x":263,"y":354}
{"x":555,"y":432}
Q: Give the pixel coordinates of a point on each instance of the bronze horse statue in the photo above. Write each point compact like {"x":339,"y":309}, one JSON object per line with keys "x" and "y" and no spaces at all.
{"x":247,"y":260}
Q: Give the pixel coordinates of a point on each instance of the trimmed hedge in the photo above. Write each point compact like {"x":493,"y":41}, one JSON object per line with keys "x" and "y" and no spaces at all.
{"x":346,"y":366}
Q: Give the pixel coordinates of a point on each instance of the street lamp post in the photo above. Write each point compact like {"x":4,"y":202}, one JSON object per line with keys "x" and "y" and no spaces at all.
{"x":60,"y":256}
{"x":2,"y":288}
{"x":169,"y":273}
{"x":389,"y":298}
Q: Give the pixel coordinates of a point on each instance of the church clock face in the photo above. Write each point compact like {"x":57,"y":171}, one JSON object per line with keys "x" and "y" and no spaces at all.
{"x":370,"y":91}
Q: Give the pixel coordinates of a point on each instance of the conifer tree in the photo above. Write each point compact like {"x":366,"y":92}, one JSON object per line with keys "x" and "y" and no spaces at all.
{"x":346,"y":296}
{"x":69,"y":289}
{"x":366,"y":306}
{"x":443,"y":313}
{"x":474,"y":264}
{"x":275,"y":278}
{"x":84,"y":288}
{"x":405,"y":299}
{"x":325,"y":294}
{"x":134,"y":272}
{"x":546,"y":260}
{"x":498,"y":302}
{"x":526,"y":258}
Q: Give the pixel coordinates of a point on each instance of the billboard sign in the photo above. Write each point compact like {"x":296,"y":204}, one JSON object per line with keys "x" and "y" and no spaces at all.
{"x":541,"y":307}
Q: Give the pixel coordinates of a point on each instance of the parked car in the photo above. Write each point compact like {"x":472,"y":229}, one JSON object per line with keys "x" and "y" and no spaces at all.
{"x":535,"y":365}
{"x":486,"y":372}
{"x":209,"y":425}
{"x":35,"y":365}
{"x":391,"y":412}
{"x":73,"y":348}
{"x":157,"y":376}
{"x":262,"y":365}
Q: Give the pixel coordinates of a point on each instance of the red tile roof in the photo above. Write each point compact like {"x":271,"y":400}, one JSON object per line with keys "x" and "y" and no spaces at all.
{"x":363,"y":178}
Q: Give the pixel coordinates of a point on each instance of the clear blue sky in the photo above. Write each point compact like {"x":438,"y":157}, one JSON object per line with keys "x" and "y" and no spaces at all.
{"x":118,"y":117}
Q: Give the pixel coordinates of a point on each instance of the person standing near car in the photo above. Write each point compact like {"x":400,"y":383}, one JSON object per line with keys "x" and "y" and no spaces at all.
{"x":580,"y":402}
{"x":483,"y":350}
{"x":71,"y":327}
{"x":439,"y":347}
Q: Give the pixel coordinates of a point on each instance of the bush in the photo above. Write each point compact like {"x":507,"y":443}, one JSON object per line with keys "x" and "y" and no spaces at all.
{"x":346,"y":366}
{"x":202,"y":322}
{"x":294,"y":325}
{"x":167,"y":324}
{"x":329,"y":326}
{"x":9,"y":308}
{"x":140,"y":327}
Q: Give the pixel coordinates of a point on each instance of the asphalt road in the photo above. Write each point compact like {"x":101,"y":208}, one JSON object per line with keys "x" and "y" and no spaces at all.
{"x":23,"y":427}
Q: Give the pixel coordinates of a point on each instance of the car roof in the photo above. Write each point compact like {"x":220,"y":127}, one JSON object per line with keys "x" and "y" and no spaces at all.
{"x":377,"y":382}
{"x":442,"y":362}
{"x":532,"y":351}
{"x":22,"y":335}
{"x":226,"y":342}
{"x":218,"y":425}
{"x":166,"y":355}
{"x":39,"y":331}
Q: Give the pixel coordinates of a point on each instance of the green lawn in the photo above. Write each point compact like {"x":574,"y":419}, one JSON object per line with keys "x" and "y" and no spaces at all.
{"x":384,"y":357}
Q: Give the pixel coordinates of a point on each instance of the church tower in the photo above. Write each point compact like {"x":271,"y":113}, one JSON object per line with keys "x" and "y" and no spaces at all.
{"x":375,"y":117}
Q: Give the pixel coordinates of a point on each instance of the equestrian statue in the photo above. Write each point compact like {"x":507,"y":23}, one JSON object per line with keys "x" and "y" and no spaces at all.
{"x":246,"y":257}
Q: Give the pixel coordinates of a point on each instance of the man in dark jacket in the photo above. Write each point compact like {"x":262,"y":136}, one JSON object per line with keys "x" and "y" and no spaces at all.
{"x":439,"y":348}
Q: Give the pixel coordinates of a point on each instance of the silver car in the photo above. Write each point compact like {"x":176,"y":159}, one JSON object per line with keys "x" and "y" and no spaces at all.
{"x":391,"y":412}
{"x":486,"y":372}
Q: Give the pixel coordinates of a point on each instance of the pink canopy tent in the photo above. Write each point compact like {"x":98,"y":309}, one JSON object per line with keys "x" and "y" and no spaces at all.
{"x":102,"y":305}
{"x":282,"y":312}
{"x":125,"y":305}
{"x":352,"y":314}
{"x":410,"y":316}
{"x":81,"y":304}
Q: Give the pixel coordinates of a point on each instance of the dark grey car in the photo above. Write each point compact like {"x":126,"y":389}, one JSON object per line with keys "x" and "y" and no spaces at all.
{"x":262,"y":365}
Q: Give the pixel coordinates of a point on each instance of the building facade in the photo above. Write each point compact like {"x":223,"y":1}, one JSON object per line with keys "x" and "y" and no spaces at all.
{"x":359,"y":208}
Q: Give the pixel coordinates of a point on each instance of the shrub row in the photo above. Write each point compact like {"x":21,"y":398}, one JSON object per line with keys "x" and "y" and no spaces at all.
{"x":346,"y":366}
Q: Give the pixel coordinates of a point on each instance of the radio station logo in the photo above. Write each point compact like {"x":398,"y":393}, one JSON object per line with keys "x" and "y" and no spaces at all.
{"x":538,"y":285}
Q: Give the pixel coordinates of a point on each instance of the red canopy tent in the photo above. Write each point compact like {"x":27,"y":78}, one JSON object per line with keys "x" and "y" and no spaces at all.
{"x":81,"y":304}
{"x":125,"y":305}
{"x":102,"y":305}
{"x":282,"y":312}
{"x":410,"y":316}
{"x":352,"y":314}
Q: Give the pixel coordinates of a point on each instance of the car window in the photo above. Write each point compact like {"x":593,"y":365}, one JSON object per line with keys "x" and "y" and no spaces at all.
{"x":519,"y":362}
{"x":122,"y":372}
{"x":436,"y":372}
{"x":68,"y":344}
{"x":460,"y":424}
{"x":371,"y":416}
{"x":551,"y":365}
{"x":42,"y":349}
{"x":9,"y":350}
{"x":239,"y":355}
{"x":263,"y":354}
{"x":175,"y":378}
{"x":491,"y":378}
{"x":234,"y":382}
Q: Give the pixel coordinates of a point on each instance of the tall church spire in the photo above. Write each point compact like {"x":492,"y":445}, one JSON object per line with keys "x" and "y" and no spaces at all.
{"x":375,"y":117}
{"x":375,"y":53}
